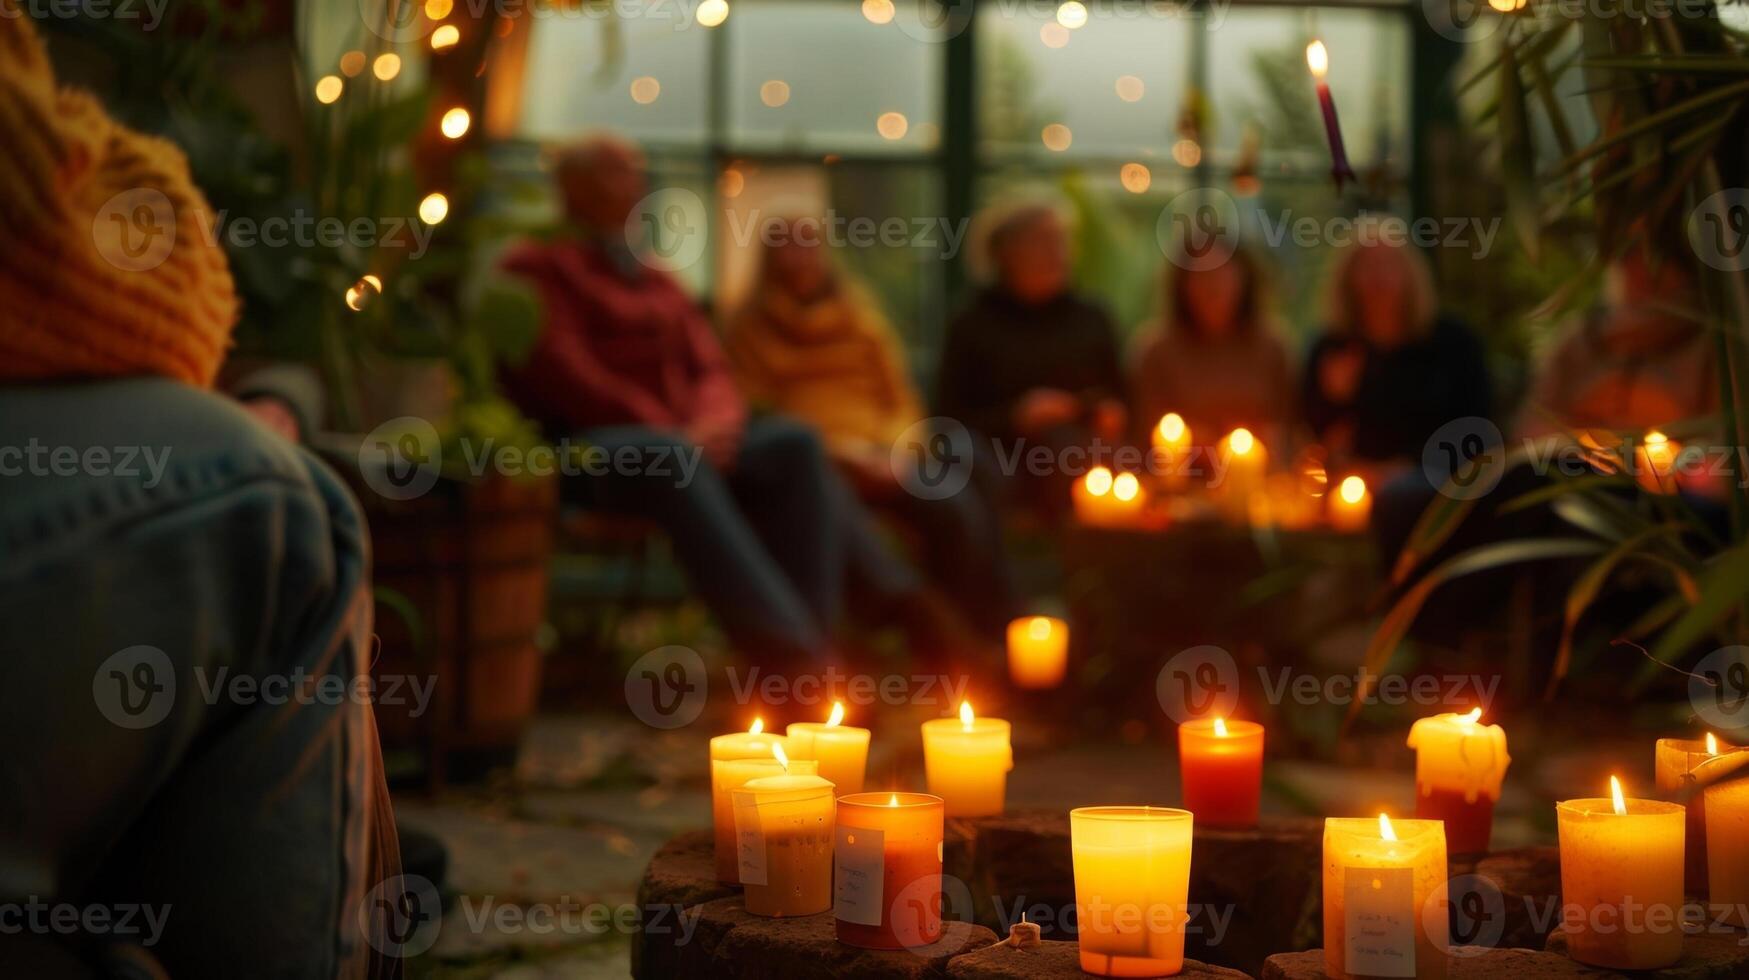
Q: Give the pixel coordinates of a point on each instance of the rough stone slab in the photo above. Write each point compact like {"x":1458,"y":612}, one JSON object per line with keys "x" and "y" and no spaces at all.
{"x":682,"y":874}
{"x":1053,"y":959}
{"x":730,"y":943}
{"x":1493,"y":964}
{"x":1529,"y":879}
{"x":1705,"y":956}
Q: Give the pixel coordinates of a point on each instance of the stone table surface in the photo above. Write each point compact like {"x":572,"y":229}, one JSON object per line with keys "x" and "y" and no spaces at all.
{"x":1053,"y":959}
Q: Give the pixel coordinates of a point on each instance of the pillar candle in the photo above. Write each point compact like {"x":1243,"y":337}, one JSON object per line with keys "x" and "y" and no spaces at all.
{"x":1621,"y":880}
{"x":966,"y":760}
{"x":887,"y":883}
{"x":1726,"y":803}
{"x":783,"y":831}
{"x":840,"y":749}
{"x":1104,"y":500}
{"x":1655,"y":462}
{"x":1379,"y":878}
{"x":1171,"y":439}
{"x":1459,"y":768}
{"x":1038,"y":651}
{"x":736,"y":758}
{"x":1220,"y":766}
{"x":1350,"y":505}
{"x":1245,"y":464}
{"x":1132,"y":880}
{"x":1674,"y":763}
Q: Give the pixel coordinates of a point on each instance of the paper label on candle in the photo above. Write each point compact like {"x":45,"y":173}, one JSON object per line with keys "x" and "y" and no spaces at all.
{"x":1379,"y":921}
{"x":749,"y":846}
{"x":860,"y":861}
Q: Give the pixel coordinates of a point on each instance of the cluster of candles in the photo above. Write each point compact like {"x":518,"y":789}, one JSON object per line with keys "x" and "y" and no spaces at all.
{"x":795,"y":830}
{"x":1245,"y":493}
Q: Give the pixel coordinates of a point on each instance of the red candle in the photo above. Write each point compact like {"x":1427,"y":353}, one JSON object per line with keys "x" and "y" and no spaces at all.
{"x":1318,"y":59}
{"x":1221,"y":765}
{"x":887,"y":879}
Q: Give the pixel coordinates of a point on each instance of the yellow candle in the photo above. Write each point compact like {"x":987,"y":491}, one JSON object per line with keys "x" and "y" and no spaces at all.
{"x":1655,"y":462}
{"x":1621,"y":880}
{"x":1132,"y":879}
{"x":1726,"y":803}
{"x":783,"y":831}
{"x":966,"y":760}
{"x":736,"y":758}
{"x":840,"y":749}
{"x":1038,"y":651}
{"x":1379,"y":878}
{"x":1104,"y":500}
{"x":1350,"y":505}
{"x":1244,"y":464}
{"x":1676,"y":762}
{"x":1171,"y":439}
{"x":1460,"y":765}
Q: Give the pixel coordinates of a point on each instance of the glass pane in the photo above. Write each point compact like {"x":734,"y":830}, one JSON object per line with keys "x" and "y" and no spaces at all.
{"x":645,"y":76}
{"x":819,"y":77}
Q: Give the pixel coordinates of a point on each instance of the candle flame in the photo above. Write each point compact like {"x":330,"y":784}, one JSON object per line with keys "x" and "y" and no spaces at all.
{"x":1317,"y":59}
{"x":1220,"y":727}
{"x":1098,"y":481}
{"x":966,"y":714}
{"x":782,"y":758}
{"x":893,"y":800}
{"x":1474,"y":716}
{"x":1385,"y":829}
{"x":837,"y":715}
{"x":1621,"y":805}
{"x":1171,"y":427}
{"x":1656,"y":438}
{"x":1125,"y":487}
{"x":757,"y":726}
{"x":1712,"y":744}
{"x":1241,"y":441}
{"x":1353,"y":489}
{"x":1039,"y":628}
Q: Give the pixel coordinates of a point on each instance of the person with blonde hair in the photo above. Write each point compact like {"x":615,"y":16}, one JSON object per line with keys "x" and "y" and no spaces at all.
{"x":1389,"y":368}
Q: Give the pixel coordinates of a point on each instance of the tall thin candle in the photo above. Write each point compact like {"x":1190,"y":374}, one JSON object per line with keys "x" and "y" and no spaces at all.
{"x":1318,"y":59}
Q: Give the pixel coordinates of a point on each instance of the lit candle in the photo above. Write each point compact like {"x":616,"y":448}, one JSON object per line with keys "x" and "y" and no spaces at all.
{"x":886,"y":892}
{"x":1350,"y":505}
{"x":1318,"y":59}
{"x":1171,"y":439}
{"x":967,"y":760}
{"x":1104,"y":500}
{"x":1132,"y":880}
{"x":1379,"y":877}
{"x":840,"y":749}
{"x":1621,"y":880}
{"x":1244,"y":465}
{"x":1220,"y":765}
{"x":736,"y":758}
{"x":1726,"y":804}
{"x":1038,"y":651}
{"x":1655,"y":462}
{"x":783,"y":834}
{"x":1459,"y":767}
{"x":1674,"y":772}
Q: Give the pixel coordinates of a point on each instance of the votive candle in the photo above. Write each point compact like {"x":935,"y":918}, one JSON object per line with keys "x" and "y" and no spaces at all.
{"x":1220,"y":766}
{"x":783,"y":829}
{"x":1621,"y":880}
{"x":1132,"y":883}
{"x":840,"y":749}
{"x":1379,"y":877}
{"x":1038,"y":651}
{"x":887,"y":882}
{"x":966,"y":761}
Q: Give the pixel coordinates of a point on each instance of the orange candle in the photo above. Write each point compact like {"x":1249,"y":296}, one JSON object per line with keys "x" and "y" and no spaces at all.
{"x":1621,"y":880}
{"x":887,"y":881}
{"x":1245,"y":464}
{"x":736,"y":758}
{"x":1675,"y":761}
{"x":1171,"y":439}
{"x":1350,"y":505}
{"x":1220,"y":765}
{"x":783,"y":830}
{"x":1384,"y":915}
{"x":1038,"y":651}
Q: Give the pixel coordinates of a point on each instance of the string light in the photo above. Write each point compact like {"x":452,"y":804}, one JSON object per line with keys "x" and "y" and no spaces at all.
{"x":445,"y":37}
{"x":892,"y":125}
{"x":387,"y":66}
{"x":328,"y":89}
{"x":1130,"y":88}
{"x":1057,"y":137}
{"x":878,"y":11}
{"x":434,"y":208}
{"x":1136,"y":179}
{"x":774,"y":93}
{"x":711,"y":13}
{"x":645,"y":89}
{"x":351,"y":63}
{"x":1072,"y":14}
{"x":455,"y":123}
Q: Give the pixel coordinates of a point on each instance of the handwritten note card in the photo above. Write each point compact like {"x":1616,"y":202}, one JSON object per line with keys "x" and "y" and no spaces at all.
{"x":859,"y":864}
{"x":750,"y":846}
{"x":1379,"y":921}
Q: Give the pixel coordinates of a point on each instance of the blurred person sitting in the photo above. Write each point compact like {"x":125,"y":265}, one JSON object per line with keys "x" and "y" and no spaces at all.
{"x":1028,"y":362}
{"x":769,"y":535}
{"x":168,"y":542}
{"x":1389,"y":369}
{"x":811,"y":344}
{"x":1215,"y":357}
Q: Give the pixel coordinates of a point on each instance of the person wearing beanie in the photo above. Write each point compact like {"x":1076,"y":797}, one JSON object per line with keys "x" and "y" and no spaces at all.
{"x":165,"y":563}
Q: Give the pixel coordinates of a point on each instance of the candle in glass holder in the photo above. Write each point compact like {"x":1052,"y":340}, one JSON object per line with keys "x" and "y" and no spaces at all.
{"x":966,"y":760}
{"x":1621,"y":880}
{"x":887,"y":885}
{"x":840,"y":749}
{"x":1244,"y":464}
{"x":736,"y":758}
{"x":1379,"y":878}
{"x":1350,"y":505}
{"x":1038,"y":651}
{"x":1220,"y":765}
{"x":1726,"y":803}
{"x":783,"y":836}
{"x":1172,"y":443}
{"x":1459,"y":768}
{"x":1675,"y":761}
{"x":1132,"y":882}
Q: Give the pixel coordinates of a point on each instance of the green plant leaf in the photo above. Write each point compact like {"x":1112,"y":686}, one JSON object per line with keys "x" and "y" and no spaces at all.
{"x":1723,"y":585}
{"x":1518,"y":156}
{"x":1584,"y":593}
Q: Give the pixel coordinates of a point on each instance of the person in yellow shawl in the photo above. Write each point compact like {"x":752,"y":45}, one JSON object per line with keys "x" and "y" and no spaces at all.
{"x":812,"y":344}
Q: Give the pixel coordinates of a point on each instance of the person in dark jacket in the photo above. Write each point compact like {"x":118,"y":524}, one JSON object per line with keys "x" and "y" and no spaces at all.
{"x":1029,"y":362}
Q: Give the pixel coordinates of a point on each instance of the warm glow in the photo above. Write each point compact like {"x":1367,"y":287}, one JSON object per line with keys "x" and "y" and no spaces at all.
{"x":434,"y":209}
{"x":1130,"y":88}
{"x":1171,"y":427}
{"x":892,"y":125}
{"x":373,"y":282}
{"x":1241,"y":441}
{"x":1385,"y":829}
{"x":1098,"y":481}
{"x":1054,"y":35}
{"x":712,"y":13}
{"x":1656,"y":438}
{"x":837,"y":715}
{"x":893,"y":800}
{"x":359,"y":293}
{"x":732,"y":183}
{"x":1712,"y":744}
{"x":1621,"y":805}
{"x":1125,"y":487}
{"x":1057,"y":137}
{"x":757,"y":726}
{"x":455,"y":123}
{"x":328,"y":89}
{"x":351,"y":63}
{"x":645,"y":89}
{"x":1135,"y":177}
{"x":966,"y":714}
{"x":782,"y":758}
{"x":1072,"y":14}
{"x":774,"y":93}
{"x":439,"y":9}
{"x":1475,"y":714}
{"x":387,"y":66}
{"x":1220,"y":727}
{"x":1039,"y":628}
{"x":1187,"y":153}
{"x":1353,"y":488}
{"x":878,"y":11}
{"x":1317,"y":59}
{"x":446,"y":36}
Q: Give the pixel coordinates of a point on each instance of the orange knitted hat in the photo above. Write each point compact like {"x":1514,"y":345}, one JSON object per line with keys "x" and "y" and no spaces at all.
{"x":107,"y":268}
